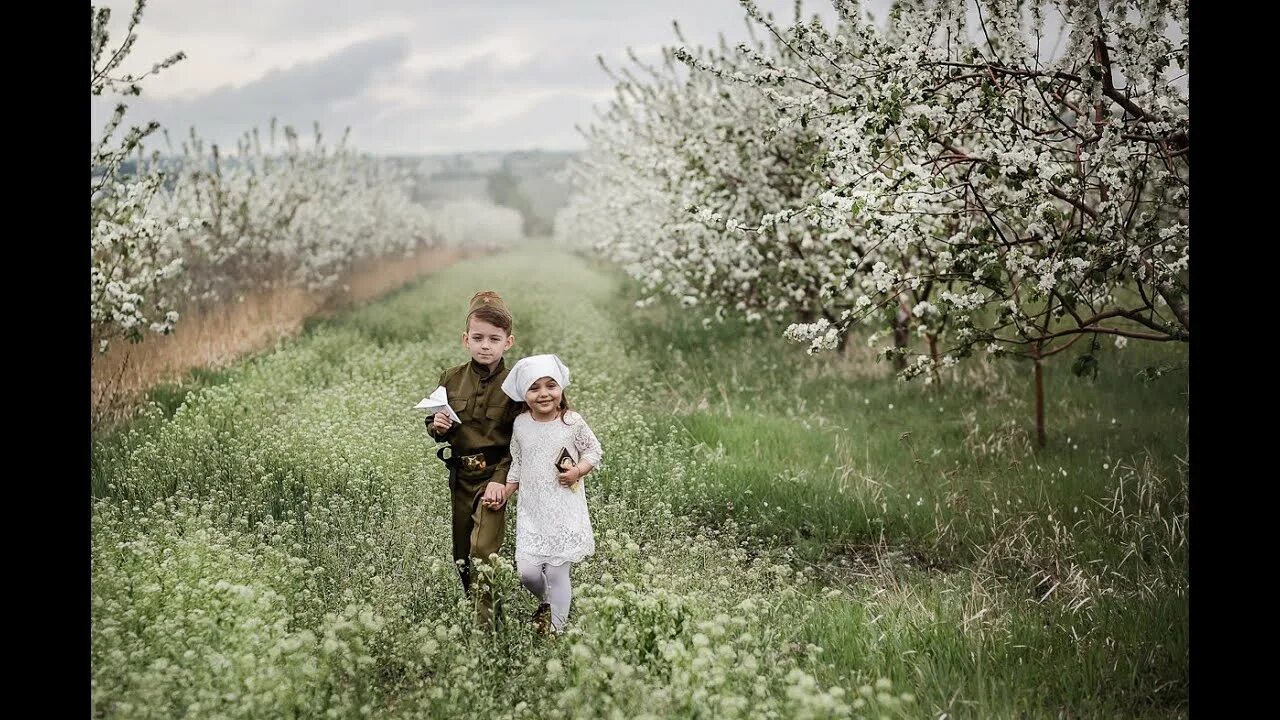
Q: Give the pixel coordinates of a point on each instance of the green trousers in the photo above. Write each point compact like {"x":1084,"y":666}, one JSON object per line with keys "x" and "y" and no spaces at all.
{"x":477,"y":532}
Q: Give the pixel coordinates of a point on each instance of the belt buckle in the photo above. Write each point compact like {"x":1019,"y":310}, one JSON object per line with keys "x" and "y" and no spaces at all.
{"x":473,"y":463}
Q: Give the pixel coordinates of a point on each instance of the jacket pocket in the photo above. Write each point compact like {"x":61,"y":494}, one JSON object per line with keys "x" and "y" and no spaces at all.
{"x":458,"y":405}
{"x":496,"y":412}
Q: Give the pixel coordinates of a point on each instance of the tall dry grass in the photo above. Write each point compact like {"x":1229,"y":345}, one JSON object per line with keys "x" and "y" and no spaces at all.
{"x":214,"y":337}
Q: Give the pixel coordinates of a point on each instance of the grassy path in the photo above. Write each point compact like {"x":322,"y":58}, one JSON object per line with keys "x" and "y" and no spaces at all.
{"x":275,"y":543}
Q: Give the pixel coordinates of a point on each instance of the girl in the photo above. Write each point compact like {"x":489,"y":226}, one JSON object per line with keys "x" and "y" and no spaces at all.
{"x":552,"y":449}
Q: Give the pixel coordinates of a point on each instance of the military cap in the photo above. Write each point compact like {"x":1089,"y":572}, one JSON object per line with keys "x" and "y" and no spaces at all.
{"x":488,"y":298}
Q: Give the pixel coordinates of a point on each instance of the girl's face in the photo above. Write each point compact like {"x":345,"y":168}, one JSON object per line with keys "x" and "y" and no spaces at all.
{"x":543,"y":397}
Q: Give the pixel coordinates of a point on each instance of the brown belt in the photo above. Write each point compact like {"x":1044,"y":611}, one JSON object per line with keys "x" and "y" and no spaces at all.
{"x":470,"y":463}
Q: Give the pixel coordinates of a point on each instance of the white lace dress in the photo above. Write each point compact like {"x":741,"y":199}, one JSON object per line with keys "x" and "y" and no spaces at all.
{"x":552,"y":525}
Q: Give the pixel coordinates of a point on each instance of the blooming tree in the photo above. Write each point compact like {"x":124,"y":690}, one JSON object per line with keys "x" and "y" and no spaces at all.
{"x":476,"y":223}
{"x":205,"y":225}
{"x":126,"y":270}
{"x":969,"y":181}
{"x":676,"y":165}
{"x":290,"y":216}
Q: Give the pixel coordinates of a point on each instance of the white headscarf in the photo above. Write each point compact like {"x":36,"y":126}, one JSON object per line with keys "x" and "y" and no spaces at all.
{"x":528,"y":370}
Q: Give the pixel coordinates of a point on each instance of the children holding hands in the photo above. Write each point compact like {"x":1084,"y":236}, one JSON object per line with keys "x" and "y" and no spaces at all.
{"x":517,"y":433}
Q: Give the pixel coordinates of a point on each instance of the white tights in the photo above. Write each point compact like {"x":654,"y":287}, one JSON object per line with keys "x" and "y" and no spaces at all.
{"x":549,"y":583}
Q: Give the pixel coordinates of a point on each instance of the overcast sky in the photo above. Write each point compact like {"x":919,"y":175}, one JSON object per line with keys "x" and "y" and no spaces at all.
{"x":408,"y":76}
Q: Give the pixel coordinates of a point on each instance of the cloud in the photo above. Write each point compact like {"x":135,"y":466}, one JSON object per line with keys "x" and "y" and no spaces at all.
{"x":298,"y":95}
{"x":537,"y":120}
{"x":407,"y":75}
{"x":491,"y":74}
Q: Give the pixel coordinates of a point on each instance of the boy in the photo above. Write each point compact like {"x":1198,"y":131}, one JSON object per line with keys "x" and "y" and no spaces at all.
{"x":479,"y":447}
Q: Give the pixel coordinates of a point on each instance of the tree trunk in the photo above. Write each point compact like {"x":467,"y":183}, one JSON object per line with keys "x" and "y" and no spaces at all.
{"x":1040,"y":434}
{"x":1177,"y":304}
{"x":933,"y":352}
{"x":901,"y":336}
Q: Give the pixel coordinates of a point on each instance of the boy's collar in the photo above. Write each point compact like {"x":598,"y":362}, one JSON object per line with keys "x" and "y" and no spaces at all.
{"x":483,"y":371}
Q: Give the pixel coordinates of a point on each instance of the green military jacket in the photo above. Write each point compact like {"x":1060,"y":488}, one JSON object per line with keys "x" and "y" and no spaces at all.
{"x":486,"y":413}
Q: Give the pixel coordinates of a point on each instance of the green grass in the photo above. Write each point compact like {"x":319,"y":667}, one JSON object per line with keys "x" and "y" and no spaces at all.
{"x":272,"y":540}
{"x":1020,"y":658}
{"x":168,"y":396}
{"x":877,"y":483}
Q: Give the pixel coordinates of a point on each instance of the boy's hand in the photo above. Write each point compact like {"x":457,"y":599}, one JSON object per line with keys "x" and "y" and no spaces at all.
{"x":441,"y":423}
{"x":495,"y":495}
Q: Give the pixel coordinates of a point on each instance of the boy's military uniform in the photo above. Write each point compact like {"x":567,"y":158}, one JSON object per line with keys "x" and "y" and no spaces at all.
{"x":479,"y":453}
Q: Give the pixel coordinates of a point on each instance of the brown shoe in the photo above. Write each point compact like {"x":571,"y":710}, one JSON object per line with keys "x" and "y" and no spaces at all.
{"x":542,"y":618}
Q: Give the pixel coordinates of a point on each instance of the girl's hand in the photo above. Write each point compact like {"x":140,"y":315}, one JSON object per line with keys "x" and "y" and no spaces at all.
{"x":441,"y":423}
{"x":569,"y":477}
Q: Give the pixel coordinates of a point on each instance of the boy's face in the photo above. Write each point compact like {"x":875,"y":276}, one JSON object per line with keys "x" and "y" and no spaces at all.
{"x":487,"y":343}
